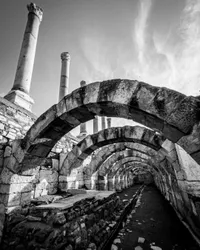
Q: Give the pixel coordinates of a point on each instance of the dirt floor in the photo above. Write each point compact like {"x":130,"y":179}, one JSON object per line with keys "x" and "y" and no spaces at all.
{"x":152,"y":225}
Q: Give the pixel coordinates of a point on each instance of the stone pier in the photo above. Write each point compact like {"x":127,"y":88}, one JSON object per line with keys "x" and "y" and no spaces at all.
{"x":19,"y":93}
{"x":103,"y":122}
{"x":109,"y":122}
{"x":64,"y":78}
{"x":95,"y":125}
{"x":83,"y":130}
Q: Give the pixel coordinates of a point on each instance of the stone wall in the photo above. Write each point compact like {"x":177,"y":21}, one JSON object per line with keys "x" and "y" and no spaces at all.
{"x":183,"y":194}
{"x":146,"y":178}
{"x":76,"y":224}
{"x":19,"y":189}
{"x":177,"y":175}
{"x":82,"y":222}
{"x":14,"y":123}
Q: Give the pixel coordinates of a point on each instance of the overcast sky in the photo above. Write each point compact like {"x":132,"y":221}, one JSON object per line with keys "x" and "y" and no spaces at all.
{"x":156,"y":41}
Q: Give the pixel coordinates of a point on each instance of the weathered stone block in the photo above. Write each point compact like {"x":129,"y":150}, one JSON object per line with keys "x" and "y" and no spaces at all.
{"x":52,"y":187}
{"x":26,"y":197}
{"x":8,"y":177}
{"x":59,"y":219}
{"x":3,"y":118}
{"x":11,"y":135}
{"x":2,"y":126}
{"x":14,"y":124}
{"x":63,"y":186}
{"x":8,"y":151}
{"x":11,"y":199}
{"x":49,"y":175}
{"x":41,"y":189}
{"x":2,"y":216}
{"x":55,"y":164}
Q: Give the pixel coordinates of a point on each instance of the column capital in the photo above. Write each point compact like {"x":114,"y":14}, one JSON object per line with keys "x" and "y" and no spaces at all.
{"x":82,"y":83}
{"x":65,"y":56}
{"x":33,"y":8}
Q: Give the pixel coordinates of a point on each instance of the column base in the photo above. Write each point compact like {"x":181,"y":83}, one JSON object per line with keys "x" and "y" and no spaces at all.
{"x":20,"y":98}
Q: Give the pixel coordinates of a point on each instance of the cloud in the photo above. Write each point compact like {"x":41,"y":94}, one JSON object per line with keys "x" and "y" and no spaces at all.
{"x":164,"y":60}
{"x":189,"y":56}
{"x":94,"y":48}
{"x":171,"y":60}
{"x":140,"y":31}
{"x":183,"y":57}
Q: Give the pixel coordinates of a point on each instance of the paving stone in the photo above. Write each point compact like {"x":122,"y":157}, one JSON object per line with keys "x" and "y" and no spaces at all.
{"x":155,"y":248}
{"x":117,"y":241}
{"x":114,"y":247}
{"x":138,"y":248}
{"x":141,"y":240}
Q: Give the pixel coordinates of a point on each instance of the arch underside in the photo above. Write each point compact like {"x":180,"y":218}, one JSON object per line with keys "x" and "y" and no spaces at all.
{"x":109,"y":136}
{"x":172,"y":117}
{"x":175,"y":115}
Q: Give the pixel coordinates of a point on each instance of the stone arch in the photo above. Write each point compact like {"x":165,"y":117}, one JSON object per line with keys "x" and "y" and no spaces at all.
{"x":123,"y":165}
{"x":108,"y":136}
{"x":114,"y":158}
{"x":136,"y":167}
{"x":125,"y":161}
{"x":77,"y":174}
{"x":90,"y":144}
{"x":102,"y":179}
{"x":133,"y":165}
{"x":117,"y":177}
{"x":97,"y":158}
{"x":170,"y":112}
{"x":103,"y":156}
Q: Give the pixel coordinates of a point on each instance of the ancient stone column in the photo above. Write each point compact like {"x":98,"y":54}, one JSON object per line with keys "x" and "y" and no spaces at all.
{"x":109,"y":122}
{"x":103,"y":122}
{"x":19,"y":94}
{"x":64,"y":78}
{"x":95,"y":125}
{"x":83,"y":130}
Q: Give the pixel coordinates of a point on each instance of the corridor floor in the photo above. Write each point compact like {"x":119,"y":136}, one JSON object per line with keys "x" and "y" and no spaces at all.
{"x":152,"y":225}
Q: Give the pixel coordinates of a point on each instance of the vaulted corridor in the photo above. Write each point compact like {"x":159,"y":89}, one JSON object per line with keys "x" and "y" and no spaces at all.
{"x":153,"y":224}
{"x":132,"y":183}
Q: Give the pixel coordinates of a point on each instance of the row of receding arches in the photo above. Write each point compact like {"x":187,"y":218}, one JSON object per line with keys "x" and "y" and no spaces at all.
{"x":173,"y":114}
{"x":115,"y":151}
{"x":169,"y":151}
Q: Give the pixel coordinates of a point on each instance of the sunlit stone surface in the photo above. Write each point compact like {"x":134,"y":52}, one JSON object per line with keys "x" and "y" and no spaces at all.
{"x":22,"y":83}
{"x":60,"y":191}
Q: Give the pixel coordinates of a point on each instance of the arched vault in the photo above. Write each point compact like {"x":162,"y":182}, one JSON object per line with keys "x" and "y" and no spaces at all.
{"x":92,"y":163}
{"x":110,"y":163}
{"x":172,"y":113}
{"x":101,"y":179}
{"x":122,"y":162}
{"x":108,"y":136}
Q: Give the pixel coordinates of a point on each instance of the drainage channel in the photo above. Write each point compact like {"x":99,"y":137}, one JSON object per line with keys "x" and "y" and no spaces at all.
{"x":152,"y":224}
{"x":124,"y":218}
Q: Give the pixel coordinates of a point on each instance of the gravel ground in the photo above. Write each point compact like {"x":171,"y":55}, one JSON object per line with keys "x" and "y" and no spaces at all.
{"x":153,"y":224}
